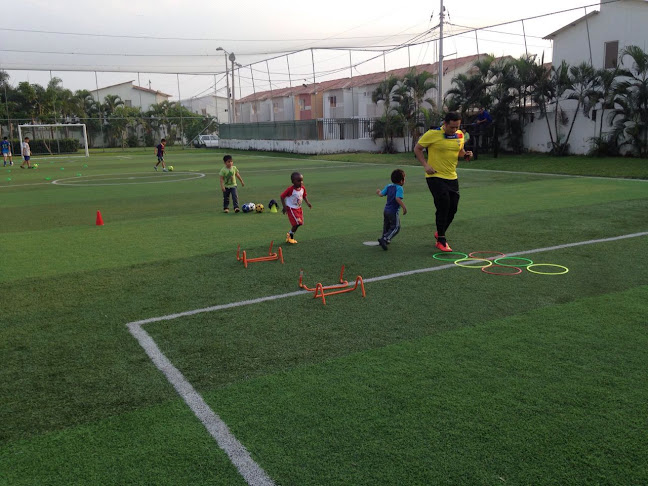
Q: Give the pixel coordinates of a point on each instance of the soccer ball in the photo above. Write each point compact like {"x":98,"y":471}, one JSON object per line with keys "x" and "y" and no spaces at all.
{"x":259,"y":208}
{"x":170,"y":168}
{"x":246,"y":208}
{"x":251,"y":206}
{"x":35,"y":166}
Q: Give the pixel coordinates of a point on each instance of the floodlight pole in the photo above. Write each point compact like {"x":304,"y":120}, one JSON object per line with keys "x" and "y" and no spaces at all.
{"x":229,"y":110}
{"x":440,"y":80}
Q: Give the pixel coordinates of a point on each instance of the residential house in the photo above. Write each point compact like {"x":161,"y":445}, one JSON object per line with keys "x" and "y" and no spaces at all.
{"x":338,"y":98}
{"x":131,"y":95}
{"x":208,"y":105}
{"x":598,"y":38}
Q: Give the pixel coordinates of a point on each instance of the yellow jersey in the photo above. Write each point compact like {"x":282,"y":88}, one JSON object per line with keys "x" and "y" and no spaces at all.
{"x":443,"y":152}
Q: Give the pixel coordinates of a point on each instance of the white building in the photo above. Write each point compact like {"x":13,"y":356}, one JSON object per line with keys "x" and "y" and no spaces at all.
{"x":597,"y":38}
{"x":208,"y":105}
{"x":132,"y":96}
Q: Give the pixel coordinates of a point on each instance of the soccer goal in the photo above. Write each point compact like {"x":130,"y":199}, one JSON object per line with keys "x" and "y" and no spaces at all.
{"x":58,"y":139}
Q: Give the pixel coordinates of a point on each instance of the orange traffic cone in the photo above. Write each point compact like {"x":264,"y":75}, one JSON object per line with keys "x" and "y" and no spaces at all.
{"x":99,"y":219}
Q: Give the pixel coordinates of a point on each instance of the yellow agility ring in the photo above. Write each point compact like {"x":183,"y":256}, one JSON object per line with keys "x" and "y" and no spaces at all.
{"x":472,"y":259}
{"x":565,"y":269}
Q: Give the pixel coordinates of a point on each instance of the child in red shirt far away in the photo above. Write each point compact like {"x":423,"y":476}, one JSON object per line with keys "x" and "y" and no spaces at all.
{"x":291,"y":201}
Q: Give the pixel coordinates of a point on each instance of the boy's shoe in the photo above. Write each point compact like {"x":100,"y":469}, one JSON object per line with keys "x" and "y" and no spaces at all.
{"x":10,"y":163}
{"x":226,"y":210}
{"x":155,"y":167}
{"x":237,"y":210}
{"x":165,"y":170}
{"x":292,"y":241}
{"x":288,"y":238}
{"x":22,"y":166}
{"x":443,"y":246}
{"x":382,"y":243}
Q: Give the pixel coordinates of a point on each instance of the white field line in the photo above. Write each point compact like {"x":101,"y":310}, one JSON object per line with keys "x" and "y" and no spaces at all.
{"x":253,"y":474}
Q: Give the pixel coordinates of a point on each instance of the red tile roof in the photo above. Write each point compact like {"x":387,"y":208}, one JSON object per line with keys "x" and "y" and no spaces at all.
{"x":357,"y":81}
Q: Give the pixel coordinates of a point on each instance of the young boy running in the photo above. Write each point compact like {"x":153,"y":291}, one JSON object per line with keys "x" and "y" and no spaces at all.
{"x":291,"y":201}
{"x":394,"y":193}
{"x":5,"y":147}
{"x":159,"y":151}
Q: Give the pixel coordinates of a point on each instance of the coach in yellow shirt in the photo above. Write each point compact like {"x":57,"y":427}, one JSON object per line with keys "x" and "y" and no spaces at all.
{"x":444,"y":146}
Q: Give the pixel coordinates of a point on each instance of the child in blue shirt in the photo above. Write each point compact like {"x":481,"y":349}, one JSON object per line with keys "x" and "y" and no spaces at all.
{"x":391,"y":219}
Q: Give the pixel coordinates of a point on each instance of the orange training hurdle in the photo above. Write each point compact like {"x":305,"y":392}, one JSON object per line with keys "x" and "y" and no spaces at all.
{"x":269,"y":258}
{"x":341,"y":288}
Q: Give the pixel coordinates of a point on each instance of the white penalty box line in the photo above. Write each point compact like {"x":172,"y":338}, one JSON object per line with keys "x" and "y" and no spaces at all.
{"x":253,"y":474}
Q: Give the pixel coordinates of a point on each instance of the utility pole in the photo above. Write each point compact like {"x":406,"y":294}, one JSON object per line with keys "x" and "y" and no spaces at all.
{"x":229,"y":109}
{"x":232,"y":58}
{"x":440,"y":80}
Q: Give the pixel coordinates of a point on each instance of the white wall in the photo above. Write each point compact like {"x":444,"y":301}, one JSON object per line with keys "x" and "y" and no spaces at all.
{"x":311,"y":147}
{"x":215,"y":106}
{"x":127,"y":93}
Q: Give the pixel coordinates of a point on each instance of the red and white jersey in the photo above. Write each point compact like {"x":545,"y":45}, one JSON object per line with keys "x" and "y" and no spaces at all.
{"x":293,"y":197}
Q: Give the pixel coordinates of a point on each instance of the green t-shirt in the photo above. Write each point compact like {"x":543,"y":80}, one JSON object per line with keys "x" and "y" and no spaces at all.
{"x":229,"y":176}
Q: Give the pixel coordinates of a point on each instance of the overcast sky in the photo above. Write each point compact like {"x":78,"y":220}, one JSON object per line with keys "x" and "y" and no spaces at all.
{"x":123,"y":40}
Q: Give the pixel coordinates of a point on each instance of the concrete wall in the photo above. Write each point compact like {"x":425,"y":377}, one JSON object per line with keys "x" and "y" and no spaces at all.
{"x":536,"y":133}
{"x":310,"y":147}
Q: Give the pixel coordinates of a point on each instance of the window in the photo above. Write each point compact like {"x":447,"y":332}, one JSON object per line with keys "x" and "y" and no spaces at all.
{"x":204,"y":111}
{"x":275,"y":107}
{"x":611,"y":54}
{"x":302,"y":104}
{"x":333,"y":101}
{"x":128,"y":103}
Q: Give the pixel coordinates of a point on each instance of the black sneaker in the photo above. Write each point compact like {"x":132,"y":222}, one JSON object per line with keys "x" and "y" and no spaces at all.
{"x":382,"y":243}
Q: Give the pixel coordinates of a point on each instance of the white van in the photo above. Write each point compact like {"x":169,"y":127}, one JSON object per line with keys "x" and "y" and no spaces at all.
{"x":209,"y":141}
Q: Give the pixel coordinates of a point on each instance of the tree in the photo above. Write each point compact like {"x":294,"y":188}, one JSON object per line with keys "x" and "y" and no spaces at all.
{"x":630,"y":112}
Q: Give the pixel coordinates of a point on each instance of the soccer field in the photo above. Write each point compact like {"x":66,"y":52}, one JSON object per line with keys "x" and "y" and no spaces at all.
{"x":143,"y":352}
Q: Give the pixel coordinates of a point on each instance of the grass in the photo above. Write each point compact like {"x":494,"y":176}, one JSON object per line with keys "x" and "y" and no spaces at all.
{"x":452,"y":376}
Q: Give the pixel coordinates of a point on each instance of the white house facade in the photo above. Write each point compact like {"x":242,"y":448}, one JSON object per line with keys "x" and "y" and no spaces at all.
{"x":132,"y":96}
{"x":598,"y":37}
{"x":208,"y":105}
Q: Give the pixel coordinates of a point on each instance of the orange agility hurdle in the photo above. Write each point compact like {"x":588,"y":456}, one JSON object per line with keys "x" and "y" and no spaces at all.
{"x":343,"y":283}
{"x":269,"y":258}
{"x":341,"y":288}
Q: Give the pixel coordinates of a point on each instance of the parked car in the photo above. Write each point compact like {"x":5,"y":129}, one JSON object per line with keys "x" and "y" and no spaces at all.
{"x":209,"y":141}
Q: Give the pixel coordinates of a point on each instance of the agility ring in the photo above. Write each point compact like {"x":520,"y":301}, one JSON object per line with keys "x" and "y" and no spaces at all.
{"x":473,"y":260}
{"x":565,"y":269}
{"x":437,"y":256}
{"x":498,"y":261}
{"x":486,"y":270}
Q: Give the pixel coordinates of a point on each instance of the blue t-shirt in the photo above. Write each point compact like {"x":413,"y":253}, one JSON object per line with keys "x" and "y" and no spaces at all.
{"x":485,"y":116}
{"x":392,"y":191}
{"x":4,"y":146}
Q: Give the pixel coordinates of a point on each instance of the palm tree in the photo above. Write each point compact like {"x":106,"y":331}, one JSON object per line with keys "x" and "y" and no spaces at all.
{"x":630,"y":113}
{"x":582,"y":80}
{"x":108,"y":107}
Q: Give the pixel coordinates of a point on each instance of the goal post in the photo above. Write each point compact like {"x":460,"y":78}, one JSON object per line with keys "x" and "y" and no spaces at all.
{"x":55,"y":139}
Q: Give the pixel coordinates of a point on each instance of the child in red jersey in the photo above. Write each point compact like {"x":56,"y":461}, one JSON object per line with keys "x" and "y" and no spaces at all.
{"x":291,"y":201}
